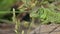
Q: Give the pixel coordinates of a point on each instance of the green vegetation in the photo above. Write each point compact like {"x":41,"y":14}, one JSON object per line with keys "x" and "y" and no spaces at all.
{"x":6,"y":4}
{"x":48,"y":11}
{"x":48,"y":15}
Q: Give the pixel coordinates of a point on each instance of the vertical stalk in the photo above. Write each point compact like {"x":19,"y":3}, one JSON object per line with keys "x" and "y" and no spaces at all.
{"x":13,"y":15}
{"x":30,"y":25}
{"x":22,"y":31}
{"x":17,"y":23}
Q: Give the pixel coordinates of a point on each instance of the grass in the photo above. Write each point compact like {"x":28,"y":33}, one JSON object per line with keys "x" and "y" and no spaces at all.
{"x":46,"y":15}
{"x":17,"y":22}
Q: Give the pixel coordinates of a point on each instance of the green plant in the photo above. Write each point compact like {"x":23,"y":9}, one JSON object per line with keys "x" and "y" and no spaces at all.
{"x":48,"y":15}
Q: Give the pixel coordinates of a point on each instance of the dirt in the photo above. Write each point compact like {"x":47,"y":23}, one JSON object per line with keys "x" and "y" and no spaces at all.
{"x":47,"y":29}
{"x":42,"y":29}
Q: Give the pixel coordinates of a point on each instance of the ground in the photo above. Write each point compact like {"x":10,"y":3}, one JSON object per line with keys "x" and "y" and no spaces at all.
{"x":42,"y":29}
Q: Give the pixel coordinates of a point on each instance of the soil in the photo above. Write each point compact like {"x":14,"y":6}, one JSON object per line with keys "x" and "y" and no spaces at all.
{"x":42,"y":29}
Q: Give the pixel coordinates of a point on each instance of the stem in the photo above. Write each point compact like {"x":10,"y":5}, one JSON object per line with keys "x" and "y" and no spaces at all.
{"x":17,"y":23}
{"x":30,"y":25}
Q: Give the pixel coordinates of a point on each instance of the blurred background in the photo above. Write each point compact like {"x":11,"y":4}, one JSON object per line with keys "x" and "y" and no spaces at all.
{"x":29,"y":13}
